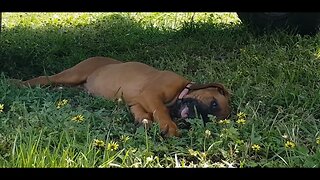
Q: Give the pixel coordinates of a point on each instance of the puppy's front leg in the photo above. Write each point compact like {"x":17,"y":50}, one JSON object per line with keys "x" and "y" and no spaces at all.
{"x":140,"y":114}
{"x":161,"y":115}
{"x":167,"y":126}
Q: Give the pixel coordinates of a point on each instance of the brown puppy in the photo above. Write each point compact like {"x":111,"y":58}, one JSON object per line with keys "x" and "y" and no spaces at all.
{"x":150,"y":93}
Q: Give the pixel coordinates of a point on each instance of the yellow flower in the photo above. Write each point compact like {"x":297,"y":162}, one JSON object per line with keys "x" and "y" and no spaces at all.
{"x":225,"y":121}
{"x":1,"y":108}
{"x":318,"y":140}
{"x":241,"y":121}
{"x":256,"y":147}
{"x":124,"y":138}
{"x":78,"y":118}
{"x":98,"y":143}
{"x":290,"y":144}
{"x":112,"y":146}
{"x":241,"y":115}
{"x":62,"y":103}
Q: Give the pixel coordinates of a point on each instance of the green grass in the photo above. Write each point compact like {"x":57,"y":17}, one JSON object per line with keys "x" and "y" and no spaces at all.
{"x":273,"y":78}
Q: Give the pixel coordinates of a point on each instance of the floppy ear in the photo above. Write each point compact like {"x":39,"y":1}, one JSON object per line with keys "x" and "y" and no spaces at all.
{"x":219,"y":86}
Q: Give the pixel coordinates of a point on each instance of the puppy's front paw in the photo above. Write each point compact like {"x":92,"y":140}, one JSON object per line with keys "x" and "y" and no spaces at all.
{"x":169,"y":130}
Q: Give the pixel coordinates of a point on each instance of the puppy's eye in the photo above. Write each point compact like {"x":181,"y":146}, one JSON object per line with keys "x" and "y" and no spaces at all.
{"x":214,"y":104}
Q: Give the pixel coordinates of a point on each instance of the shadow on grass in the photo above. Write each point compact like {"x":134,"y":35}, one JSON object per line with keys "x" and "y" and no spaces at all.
{"x":28,"y":52}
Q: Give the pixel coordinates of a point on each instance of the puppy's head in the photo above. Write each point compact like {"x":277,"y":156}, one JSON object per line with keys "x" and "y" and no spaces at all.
{"x":203,"y":100}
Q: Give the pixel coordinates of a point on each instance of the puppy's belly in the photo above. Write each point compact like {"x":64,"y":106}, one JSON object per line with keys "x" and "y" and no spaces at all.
{"x":117,"y":81}
{"x":98,"y":90}
{"x":112,"y":89}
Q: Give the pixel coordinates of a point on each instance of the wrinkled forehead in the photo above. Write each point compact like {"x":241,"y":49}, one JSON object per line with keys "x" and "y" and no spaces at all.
{"x":211,"y":91}
{"x":208,"y":95}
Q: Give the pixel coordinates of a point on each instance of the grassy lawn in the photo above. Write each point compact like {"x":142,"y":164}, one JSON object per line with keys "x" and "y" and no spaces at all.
{"x":273,"y":78}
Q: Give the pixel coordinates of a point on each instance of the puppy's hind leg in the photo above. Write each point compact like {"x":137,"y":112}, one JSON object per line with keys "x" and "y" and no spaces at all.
{"x":73,"y":76}
{"x":67,"y":77}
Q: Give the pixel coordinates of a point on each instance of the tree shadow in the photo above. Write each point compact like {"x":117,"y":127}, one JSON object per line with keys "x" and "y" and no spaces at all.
{"x":28,"y":51}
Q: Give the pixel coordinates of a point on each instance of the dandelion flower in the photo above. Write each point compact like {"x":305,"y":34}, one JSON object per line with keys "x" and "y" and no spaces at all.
{"x":98,"y":143}
{"x":65,"y":101}
{"x":112,"y":146}
{"x":241,"y":121}
{"x":290,"y":145}
{"x":256,"y":147}
{"x":225,"y":121}
{"x":145,"y":121}
{"x":241,"y":115}
{"x":318,"y":140}
{"x":1,"y":108}
{"x":78,"y":118}
{"x":207,"y":133}
{"x":62,"y":103}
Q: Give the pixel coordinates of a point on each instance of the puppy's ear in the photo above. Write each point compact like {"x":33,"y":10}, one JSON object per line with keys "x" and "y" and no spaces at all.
{"x":219,"y":86}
